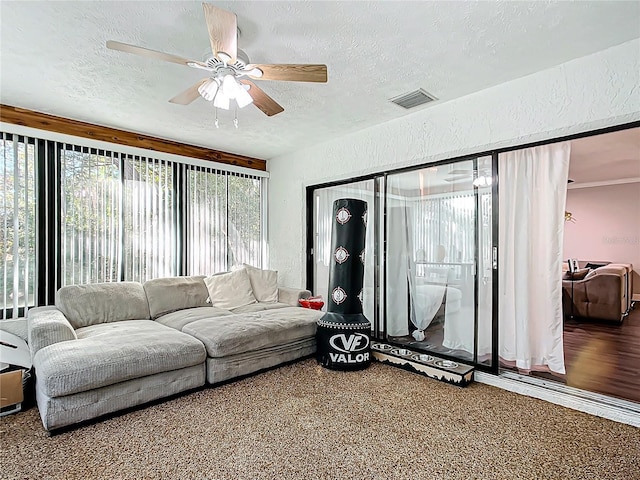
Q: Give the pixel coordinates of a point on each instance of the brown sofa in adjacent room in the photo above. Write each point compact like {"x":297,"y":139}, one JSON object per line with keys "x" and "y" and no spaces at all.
{"x":603,"y":293}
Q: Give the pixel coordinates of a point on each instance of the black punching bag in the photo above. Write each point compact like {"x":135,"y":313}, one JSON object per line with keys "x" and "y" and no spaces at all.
{"x":343,"y":332}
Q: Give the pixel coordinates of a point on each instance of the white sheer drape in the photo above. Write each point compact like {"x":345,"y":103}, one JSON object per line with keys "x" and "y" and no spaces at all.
{"x":418,"y":280}
{"x":532,"y":194}
{"x":398,"y":266}
{"x":459,"y":333}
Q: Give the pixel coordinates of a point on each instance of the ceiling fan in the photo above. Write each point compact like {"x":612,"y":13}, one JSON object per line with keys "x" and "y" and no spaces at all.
{"x":230,"y":71}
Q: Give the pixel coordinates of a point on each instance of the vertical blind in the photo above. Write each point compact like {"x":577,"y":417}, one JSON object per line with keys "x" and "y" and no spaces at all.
{"x":90,"y":209}
{"x":224,"y":220}
{"x":244,"y":233}
{"x":117,"y":217}
{"x":149,"y":229}
{"x":17,"y":224}
{"x":449,"y":221}
{"x":72,"y":214}
{"x":207,"y":214}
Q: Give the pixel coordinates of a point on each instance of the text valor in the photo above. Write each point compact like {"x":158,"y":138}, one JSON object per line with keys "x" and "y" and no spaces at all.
{"x":351,"y":347}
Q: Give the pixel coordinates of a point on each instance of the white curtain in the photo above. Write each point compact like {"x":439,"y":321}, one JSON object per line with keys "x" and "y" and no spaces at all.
{"x":416,"y":292}
{"x":399,"y":265}
{"x":459,"y":333}
{"x":532,"y":194}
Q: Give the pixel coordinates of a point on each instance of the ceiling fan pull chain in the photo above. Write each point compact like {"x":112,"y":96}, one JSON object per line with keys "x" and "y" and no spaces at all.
{"x":216,"y":123}
{"x":235,"y":119}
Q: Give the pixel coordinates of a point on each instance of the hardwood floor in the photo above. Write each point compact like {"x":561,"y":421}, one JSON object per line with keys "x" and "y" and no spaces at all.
{"x":599,"y":357}
{"x":604,"y":358}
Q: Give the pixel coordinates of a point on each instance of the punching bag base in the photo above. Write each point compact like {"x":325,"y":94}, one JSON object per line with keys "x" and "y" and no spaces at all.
{"x":344,"y":345}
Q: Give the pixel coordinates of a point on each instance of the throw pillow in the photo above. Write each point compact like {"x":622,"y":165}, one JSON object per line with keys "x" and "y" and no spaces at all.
{"x":264,"y":283}
{"x":230,"y":290}
{"x":595,"y":265}
{"x":577,"y":275}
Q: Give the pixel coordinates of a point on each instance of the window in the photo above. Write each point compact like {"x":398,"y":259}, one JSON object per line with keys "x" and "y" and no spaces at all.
{"x":207,"y":225}
{"x":71,"y":214}
{"x":17,"y":224}
{"x":90,"y":207}
{"x":148,"y":219}
{"x":244,"y":233}
{"x":225,"y":220}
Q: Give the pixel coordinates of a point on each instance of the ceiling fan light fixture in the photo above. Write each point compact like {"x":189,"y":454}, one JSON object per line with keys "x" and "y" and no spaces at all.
{"x":482,"y":181}
{"x":230,"y":86}
{"x":243,"y":98}
{"x":208,"y":89}
{"x":224,"y":57}
{"x":255,"y":72}
{"x":221,"y":100}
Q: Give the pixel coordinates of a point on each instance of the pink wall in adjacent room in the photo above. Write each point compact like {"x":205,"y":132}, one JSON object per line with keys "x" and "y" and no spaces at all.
{"x":607,"y":225}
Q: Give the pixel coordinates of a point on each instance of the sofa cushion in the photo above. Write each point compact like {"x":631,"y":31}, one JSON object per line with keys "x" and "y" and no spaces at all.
{"x":259,"y":307}
{"x":290,"y":296}
{"x":577,"y":275}
{"x":48,"y":325}
{"x":230,"y":290}
{"x":95,"y":303}
{"x":110,"y":353}
{"x":239,"y":333}
{"x":181,"y":318}
{"x":264,"y":283}
{"x":596,"y":265}
{"x":166,"y":295}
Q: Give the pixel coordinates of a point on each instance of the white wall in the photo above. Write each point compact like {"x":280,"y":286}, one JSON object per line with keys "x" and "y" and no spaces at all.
{"x":592,"y":92}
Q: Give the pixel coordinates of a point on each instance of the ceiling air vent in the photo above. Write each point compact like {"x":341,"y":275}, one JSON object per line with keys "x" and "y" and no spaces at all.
{"x":413,"y":99}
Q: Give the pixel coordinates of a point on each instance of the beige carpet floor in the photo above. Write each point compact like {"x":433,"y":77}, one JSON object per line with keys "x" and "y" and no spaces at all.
{"x":304,"y":422}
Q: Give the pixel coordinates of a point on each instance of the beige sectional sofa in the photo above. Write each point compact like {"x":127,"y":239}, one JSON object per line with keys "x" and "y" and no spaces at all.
{"x":110,"y":346}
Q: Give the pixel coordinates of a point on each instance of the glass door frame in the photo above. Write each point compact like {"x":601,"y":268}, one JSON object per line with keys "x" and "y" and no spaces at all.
{"x":379,"y":327}
{"x":310,"y":239}
{"x":494,"y":369}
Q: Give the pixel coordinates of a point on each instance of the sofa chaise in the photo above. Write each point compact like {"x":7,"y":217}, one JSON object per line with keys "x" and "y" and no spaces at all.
{"x":110,"y":346}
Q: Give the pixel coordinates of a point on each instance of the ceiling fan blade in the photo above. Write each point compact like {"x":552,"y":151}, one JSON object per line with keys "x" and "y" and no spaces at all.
{"x":189,"y":95}
{"x":223,"y":31}
{"x":291,"y":73}
{"x":145,"y":52}
{"x":261,"y":100}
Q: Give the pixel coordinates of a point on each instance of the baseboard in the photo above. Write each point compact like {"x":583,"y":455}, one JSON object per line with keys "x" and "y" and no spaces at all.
{"x":621,"y":411}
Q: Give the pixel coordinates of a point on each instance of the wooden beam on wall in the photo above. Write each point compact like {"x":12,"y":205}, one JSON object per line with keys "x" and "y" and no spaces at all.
{"x":43,"y":121}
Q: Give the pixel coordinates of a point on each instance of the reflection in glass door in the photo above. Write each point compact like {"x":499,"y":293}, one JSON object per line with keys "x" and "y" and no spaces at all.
{"x":438,"y":259}
{"x":323,"y":199}
{"x":429,"y":269}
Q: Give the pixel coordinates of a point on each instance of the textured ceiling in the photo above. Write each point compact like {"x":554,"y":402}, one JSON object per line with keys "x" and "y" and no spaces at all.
{"x":605,"y":158}
{"x":53,"y":59}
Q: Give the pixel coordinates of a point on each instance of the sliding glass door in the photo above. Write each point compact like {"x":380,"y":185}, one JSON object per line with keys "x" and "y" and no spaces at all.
{"x":323,"y":199}
{"x":429,"y":256}
{"x":438,"y":251}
